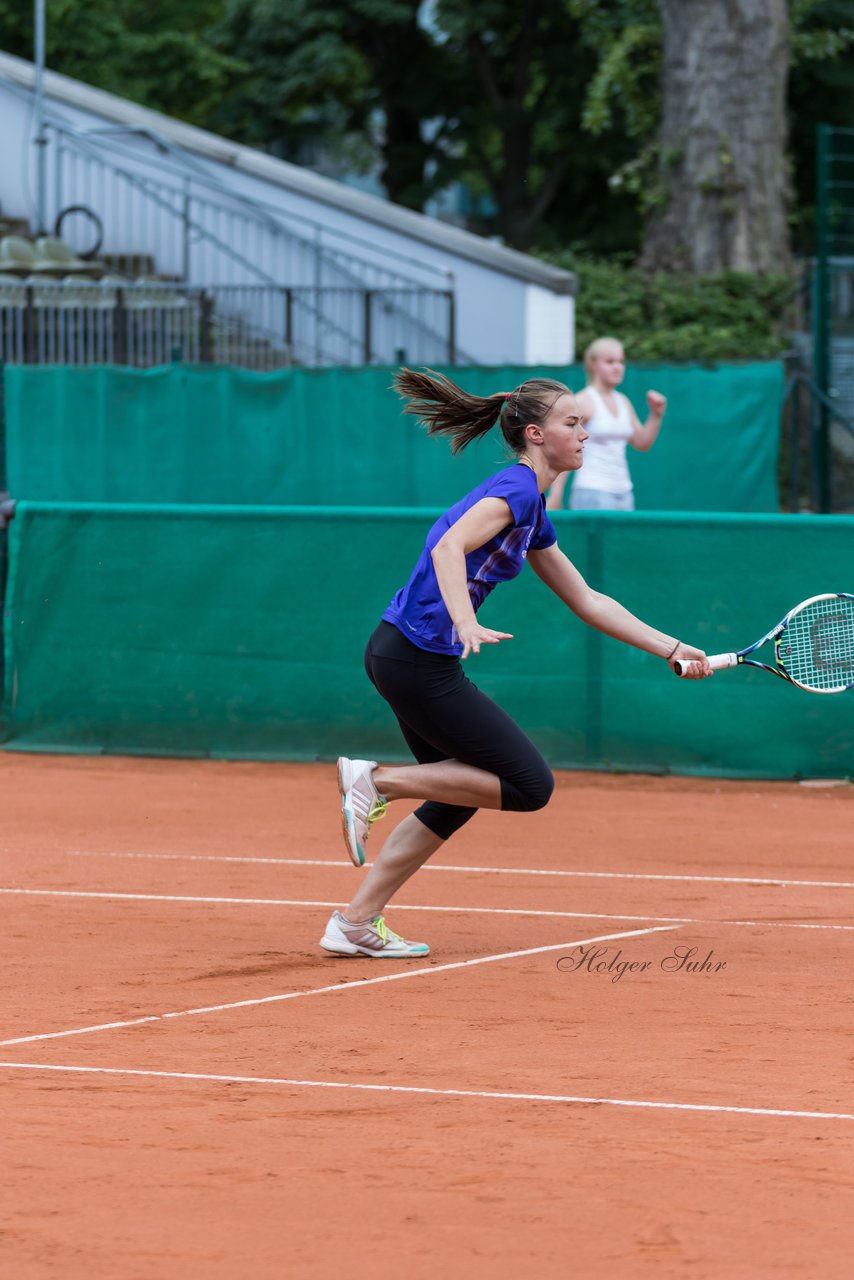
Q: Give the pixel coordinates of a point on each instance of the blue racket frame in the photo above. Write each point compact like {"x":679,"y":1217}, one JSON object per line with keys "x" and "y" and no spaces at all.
{"x":776,"y":634}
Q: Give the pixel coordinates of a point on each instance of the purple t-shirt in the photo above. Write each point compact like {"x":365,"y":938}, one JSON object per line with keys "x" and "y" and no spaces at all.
{"x":419,"y":611}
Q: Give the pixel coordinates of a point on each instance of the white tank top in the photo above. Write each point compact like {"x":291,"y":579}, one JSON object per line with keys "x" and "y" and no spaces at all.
{"x":605,"y":465}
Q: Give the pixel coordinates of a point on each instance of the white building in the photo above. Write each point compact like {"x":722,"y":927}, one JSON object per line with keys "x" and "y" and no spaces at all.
{"x":361,"y":279}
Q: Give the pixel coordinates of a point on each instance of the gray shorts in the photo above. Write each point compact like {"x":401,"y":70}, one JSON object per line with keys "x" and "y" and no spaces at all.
{"x":581,"y":499}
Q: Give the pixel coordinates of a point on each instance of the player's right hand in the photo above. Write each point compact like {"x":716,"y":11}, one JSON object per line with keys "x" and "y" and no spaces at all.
{"x":699,"y":668}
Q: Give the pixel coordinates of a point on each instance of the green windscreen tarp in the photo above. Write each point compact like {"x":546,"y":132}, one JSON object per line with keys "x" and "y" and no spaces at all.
{"x":337,"y":437}
{"x":240,"y":632}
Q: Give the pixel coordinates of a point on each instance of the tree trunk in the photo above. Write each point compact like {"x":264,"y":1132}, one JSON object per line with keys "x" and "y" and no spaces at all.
{"x":722,"y":162}
{"x":392,"y":50}
{"x":404,"y":154}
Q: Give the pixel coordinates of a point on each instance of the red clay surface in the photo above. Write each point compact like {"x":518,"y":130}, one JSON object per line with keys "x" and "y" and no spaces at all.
{"x":155,"y":887}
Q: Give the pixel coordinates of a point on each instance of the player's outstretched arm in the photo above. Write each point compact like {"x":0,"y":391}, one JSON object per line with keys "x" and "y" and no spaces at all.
{"x":607,"y":615}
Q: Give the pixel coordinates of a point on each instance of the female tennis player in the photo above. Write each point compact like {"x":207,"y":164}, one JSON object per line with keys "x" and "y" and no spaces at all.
{"x":470,"y":754}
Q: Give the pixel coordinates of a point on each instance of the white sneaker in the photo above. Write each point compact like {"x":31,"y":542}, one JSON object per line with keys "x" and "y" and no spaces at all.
{"x":368,"y":938}
{"x":361,"y":804}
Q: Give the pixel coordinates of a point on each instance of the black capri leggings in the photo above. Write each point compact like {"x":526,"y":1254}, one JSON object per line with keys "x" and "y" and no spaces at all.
{"x":443,"y":716}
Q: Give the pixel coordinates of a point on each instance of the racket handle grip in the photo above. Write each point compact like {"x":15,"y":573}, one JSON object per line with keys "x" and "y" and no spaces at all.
{"x":717,"y":661}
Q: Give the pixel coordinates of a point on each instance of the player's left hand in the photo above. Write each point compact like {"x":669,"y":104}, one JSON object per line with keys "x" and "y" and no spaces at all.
{"x":657,"y":403}
{"x":472,"y":635}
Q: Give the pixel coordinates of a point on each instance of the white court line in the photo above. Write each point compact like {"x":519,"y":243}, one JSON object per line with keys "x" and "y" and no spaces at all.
{"x":490,"y":911}
{"x":339,"y":986}
{"x":437,"y":1093}
{"x":494,"y":871}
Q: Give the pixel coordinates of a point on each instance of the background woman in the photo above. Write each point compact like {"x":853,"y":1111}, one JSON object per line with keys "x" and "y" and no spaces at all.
{"x":611,"y":423}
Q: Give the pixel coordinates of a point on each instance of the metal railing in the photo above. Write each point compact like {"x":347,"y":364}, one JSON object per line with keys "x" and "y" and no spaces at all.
{"x":156,"y":200}
{"x":818,"y":449}
{"x":212,"y":225}
{"x":832,"y":365}
{"x":259,"y":327}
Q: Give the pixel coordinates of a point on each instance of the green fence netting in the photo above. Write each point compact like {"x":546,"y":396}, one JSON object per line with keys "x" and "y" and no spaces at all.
{"x":336,"y":437}
{"x":240,"y":632}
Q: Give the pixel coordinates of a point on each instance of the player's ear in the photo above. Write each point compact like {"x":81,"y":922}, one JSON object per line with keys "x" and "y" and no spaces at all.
{"x":534,"y":433}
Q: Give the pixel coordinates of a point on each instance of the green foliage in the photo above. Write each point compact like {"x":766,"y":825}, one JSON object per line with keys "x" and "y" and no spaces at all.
{"x":812,"y":40}
{"x":517,"y":105}
{"x":731,"y":316}
{"x":626,"y":37}
{"x":355,"y":77}
{"x":305,"y":79}
{"x":148,"y":52}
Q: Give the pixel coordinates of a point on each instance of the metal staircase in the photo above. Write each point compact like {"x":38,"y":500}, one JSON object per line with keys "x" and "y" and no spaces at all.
{"x":292,"y":289}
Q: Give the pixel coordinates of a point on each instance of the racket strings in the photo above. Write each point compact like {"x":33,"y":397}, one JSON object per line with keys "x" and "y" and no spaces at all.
{"x":817,"y":646}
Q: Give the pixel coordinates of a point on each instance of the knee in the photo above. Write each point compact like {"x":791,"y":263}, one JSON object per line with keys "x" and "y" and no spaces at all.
{"x":537,"y":791}
{"x":542,"y":793}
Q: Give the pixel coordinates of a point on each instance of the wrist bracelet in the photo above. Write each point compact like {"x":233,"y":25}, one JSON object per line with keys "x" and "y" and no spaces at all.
{"x":673,"y":650}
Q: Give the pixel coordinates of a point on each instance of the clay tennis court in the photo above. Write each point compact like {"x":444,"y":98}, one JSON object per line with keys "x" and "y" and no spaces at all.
{"x":192,"y":1089}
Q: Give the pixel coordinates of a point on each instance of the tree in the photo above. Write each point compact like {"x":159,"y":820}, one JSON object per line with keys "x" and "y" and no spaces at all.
{"x":362,"y":76}
{"x":517,"y":109}
{"x":146,"y":50}
{"x":722,"y":171}
{"x":480,"y":93}
{"x":408,"y":70}
{"x":626,"y":89}
{"x":551,"y":111}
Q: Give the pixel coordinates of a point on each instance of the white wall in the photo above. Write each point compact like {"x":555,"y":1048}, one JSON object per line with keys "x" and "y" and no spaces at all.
{"x":549,"y":327}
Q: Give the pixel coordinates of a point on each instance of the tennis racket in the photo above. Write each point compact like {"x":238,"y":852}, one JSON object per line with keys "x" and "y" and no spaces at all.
{"x":813,"y":646}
